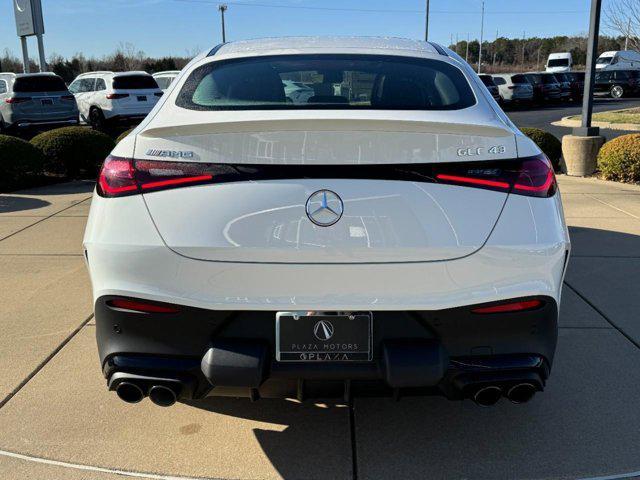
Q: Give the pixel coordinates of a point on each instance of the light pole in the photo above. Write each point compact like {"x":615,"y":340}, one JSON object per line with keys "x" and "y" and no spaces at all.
{"x":585,"y":129}
{"x":481,"y":37}
{"x":222,"y":8}
{"x":426,"y":24}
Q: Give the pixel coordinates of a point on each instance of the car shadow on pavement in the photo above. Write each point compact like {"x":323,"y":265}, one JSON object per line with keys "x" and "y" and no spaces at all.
{"x":10,"y":203}
{"x":65,"y":188}
{"x":315,"y":441}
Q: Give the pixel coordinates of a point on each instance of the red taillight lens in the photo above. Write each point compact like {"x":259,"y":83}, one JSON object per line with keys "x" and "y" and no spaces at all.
{"x":117,"y":178}
{"x":532,"y":176}
{"x":116,"y":96}
{"x":509,"y":307}
{"x":141,"y":306}
{"x":17,"y":99}
{"x":122,"y":176}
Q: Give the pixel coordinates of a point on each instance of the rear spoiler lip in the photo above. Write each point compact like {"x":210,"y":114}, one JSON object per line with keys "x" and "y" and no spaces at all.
{"x":497,"y":130}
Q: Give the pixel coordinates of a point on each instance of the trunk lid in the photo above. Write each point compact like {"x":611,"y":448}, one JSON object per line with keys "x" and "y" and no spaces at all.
{"x":383,"y":220}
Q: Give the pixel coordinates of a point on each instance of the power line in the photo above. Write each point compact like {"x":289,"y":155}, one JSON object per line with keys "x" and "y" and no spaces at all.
{"x":378,"y":10}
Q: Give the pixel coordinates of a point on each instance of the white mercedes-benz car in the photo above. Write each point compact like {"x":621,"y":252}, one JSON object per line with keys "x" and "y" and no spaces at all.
{"x":390,"y":233}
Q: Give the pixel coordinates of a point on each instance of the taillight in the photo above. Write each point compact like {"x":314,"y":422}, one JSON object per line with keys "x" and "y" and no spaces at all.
{"x":17,"y":99}
{"x":124,"y":176}
{"x":532,"y":176}
{"x":518,"y":306}
{"x":142,"y":306}
{"x":116,"y":96}
{"x":158,"y":94}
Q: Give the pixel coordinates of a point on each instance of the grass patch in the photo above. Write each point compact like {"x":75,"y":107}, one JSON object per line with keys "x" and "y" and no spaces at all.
{"x":629,"y":115}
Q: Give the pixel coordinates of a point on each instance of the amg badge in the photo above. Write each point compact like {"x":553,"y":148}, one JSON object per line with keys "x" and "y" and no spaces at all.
{"x":170,"y":153}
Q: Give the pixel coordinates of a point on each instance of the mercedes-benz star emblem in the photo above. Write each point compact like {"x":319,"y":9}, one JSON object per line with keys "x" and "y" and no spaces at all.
{"x":323,"y":330}
{"x":324,"y":208}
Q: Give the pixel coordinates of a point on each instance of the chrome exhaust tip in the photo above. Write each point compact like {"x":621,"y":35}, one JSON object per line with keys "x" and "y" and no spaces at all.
{"x":162,"y":396}
{"x":129,"y":392}
{"x":521,"y":393}
{"x":487,"y":396}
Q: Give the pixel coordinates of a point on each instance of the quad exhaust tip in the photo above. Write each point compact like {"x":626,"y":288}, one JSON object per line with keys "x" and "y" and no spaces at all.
{"x":521,"y":393}
{"x":487,"y":396}
{"x":162,"y":396}
{"x":129,"y":392}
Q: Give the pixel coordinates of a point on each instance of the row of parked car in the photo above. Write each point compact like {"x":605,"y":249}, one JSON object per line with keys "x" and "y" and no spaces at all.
{"x":544,"y":87}
{"x":104,"y":98}
{"x":97,"y":98}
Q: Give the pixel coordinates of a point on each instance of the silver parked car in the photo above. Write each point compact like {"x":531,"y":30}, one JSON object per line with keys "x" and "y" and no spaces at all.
{"x":35,"y":100}
{"x":514,"y":87}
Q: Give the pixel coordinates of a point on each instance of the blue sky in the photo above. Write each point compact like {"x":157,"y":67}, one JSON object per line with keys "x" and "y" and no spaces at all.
{"x":178,"y":27}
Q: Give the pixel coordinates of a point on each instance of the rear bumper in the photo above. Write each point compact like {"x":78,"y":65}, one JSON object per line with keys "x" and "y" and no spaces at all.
{"x":443,"y":352}
{"x":32,"y":123}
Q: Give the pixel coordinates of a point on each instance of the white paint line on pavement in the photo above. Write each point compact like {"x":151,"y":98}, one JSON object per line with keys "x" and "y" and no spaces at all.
{"x":90,"y":468}
{"x":612,"y":206}
{"x":615,"y":477}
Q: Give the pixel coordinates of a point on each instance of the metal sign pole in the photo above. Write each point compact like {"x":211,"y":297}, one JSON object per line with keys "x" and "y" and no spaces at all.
{"x":25,"y":55}
{"x":586,"y":130}
{"x":43,"y":61}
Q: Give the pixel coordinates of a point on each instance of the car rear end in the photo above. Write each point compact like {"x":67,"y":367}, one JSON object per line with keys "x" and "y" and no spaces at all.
{"x":520,"y":88}
{"x":131,"y":97}
{"x":577,"y":84}
{"x":39,"y":100}
{"x":393,"y":233}
{"x":552,"y":88}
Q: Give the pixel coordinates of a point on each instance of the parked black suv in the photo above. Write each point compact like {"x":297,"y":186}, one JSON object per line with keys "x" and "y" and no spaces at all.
{"x":545,"y":87}
{"x":617,"y":83}
{"x":491,"y":86}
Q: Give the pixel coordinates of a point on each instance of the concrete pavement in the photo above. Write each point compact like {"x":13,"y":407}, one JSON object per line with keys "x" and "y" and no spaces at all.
{"x":58,"y":421}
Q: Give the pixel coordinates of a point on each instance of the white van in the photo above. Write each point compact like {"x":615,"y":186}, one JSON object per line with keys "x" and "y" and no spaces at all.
{"x":619,"y":60}
{"x":559,"y":62}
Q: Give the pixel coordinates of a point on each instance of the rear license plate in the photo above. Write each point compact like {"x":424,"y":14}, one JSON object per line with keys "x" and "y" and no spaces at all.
{"x":142,"y":98}
{"x":323,"y":337}
{"x":47,"y":101}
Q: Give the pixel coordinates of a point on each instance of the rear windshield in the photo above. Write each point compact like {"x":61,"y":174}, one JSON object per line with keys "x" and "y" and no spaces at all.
{"x":558,"y":62}
{"x":549,"y":79}
{"x":326,"y":81}
{"x":134,"y":82}
{"x":487,"y":80}
{"x":519,"y":79}
{"x":39,"y":83}
{"x":604,"y":60}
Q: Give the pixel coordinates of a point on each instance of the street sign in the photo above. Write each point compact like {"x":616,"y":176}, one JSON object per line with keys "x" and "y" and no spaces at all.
{"x":28,"y":17}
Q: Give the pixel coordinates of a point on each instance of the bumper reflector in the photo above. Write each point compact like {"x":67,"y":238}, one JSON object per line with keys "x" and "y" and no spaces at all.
{"x":509,"y":307}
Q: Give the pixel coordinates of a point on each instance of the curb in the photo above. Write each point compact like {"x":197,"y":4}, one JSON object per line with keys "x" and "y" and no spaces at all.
{"x":569,"y":122}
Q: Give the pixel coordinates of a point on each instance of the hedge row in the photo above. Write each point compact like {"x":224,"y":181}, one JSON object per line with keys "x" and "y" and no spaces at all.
{"x":70,"y":152}
{"x":619,"y":159}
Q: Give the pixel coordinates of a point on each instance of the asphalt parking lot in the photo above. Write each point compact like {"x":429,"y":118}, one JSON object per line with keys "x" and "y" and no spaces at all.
{"x":542,"y":116}
{"x":58,"y":421}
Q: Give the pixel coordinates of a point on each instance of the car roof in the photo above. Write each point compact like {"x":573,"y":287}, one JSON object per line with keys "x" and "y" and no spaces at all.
{"x":298,"y":45}
{"x":35,"y":74}
{"x":166,"y":72}
{"x":114,"y":74}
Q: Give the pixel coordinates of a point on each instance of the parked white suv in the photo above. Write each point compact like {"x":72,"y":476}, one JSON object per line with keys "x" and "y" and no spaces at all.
{"x":165,"y":78}
{"x":513,"y":87}
{"x":108,"y":97}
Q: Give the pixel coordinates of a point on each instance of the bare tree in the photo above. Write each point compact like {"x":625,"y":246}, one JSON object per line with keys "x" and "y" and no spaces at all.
{"x":623,"y":17}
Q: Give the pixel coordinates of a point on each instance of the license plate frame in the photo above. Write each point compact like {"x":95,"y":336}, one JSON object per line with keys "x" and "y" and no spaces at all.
{"x":46,"y":101}
{"x":300,"y":337}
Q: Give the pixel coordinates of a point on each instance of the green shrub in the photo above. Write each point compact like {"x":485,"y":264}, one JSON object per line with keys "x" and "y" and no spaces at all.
{"x":73,"y":151}
{"x":124,"y":134}
{"x":18,"y":161}
{"x":547,"y":142}
{"x":619,"y":159}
